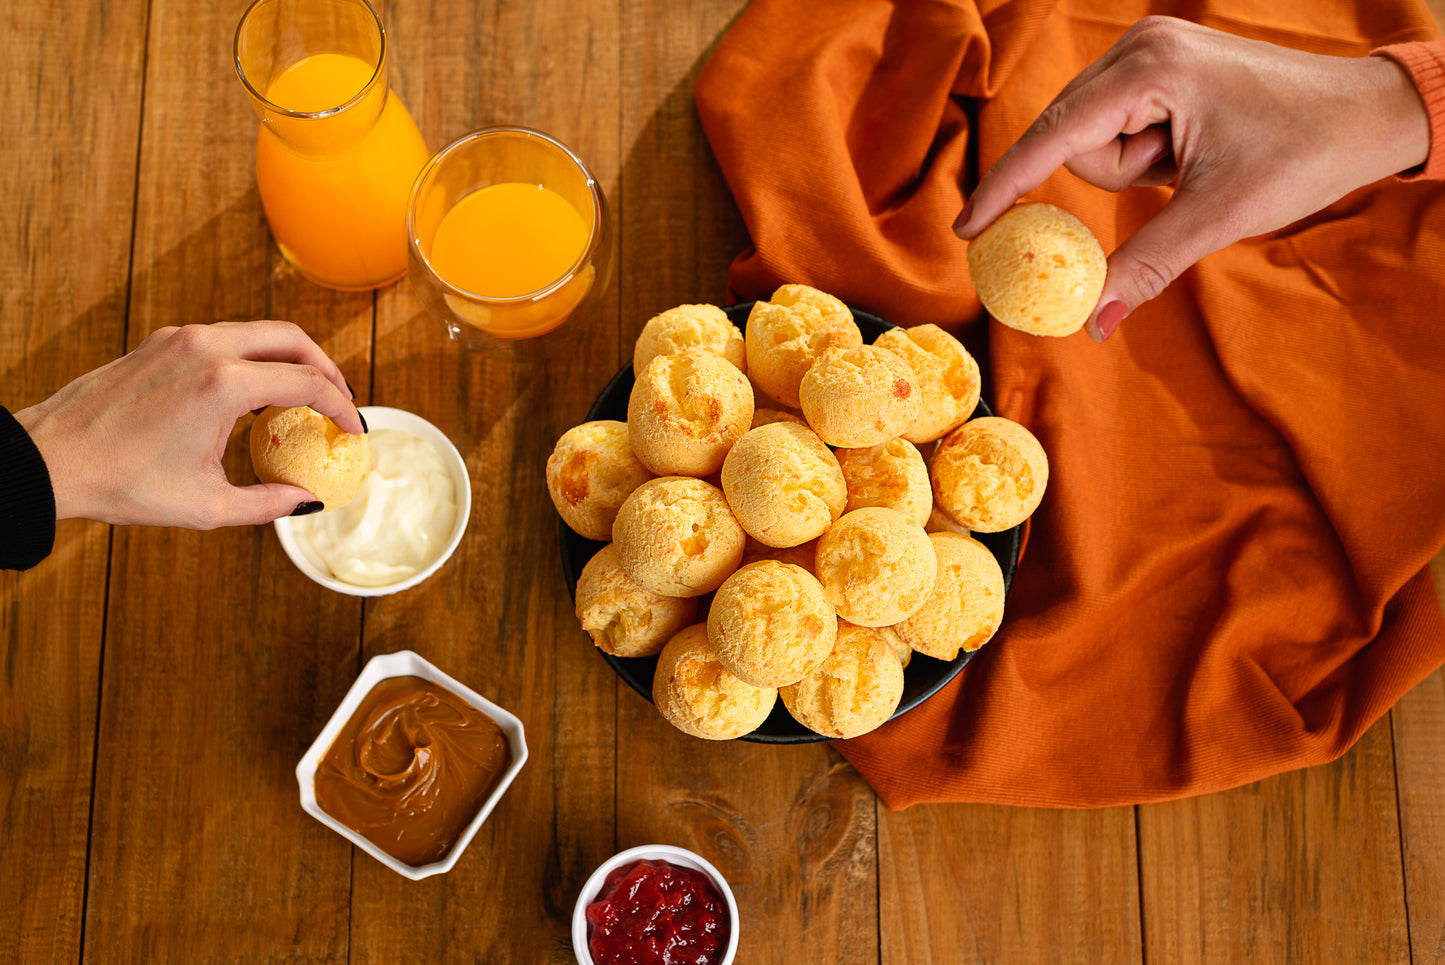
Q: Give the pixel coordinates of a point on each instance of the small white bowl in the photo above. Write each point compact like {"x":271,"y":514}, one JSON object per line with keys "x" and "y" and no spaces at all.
{"x":405,"y":663}
{"x":650,"y":852}
{"x":383,"y":417}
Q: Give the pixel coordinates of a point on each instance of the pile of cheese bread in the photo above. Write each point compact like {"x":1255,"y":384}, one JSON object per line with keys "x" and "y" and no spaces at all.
{"x":787,"y":513}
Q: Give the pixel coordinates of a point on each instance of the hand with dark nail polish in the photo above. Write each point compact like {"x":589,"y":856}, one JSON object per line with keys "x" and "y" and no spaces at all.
{"x":140,"y":440}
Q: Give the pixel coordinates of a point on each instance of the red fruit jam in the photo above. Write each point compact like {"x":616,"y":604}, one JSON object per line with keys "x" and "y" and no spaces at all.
{"x":657,"y":913}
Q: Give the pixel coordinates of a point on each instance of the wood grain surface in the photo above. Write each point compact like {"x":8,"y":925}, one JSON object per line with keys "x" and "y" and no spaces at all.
{"x":158,"y":686}
{"x":71,"y":95}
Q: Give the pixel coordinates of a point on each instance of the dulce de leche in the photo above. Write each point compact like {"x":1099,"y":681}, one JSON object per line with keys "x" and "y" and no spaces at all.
{"x":411,"y":768}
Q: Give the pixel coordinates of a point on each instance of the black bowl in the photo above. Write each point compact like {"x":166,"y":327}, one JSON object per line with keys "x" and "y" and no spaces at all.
{"x":924,"y":676}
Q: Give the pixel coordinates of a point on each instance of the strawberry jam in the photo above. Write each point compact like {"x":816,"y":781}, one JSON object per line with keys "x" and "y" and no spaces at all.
{"x":657,"y":913}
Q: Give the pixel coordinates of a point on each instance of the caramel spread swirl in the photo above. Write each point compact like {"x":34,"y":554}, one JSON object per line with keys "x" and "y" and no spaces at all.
{"x":411,"y":768}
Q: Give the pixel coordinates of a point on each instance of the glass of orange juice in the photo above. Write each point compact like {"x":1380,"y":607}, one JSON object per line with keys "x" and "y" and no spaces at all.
{"x":508,"y":235}
{"x":337,"y":151}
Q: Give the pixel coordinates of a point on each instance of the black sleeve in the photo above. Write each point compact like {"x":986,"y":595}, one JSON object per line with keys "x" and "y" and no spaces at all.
{"x":27,"y":501}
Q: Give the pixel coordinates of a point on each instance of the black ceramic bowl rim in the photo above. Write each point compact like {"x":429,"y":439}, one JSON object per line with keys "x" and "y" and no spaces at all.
{"x":923,"y":677}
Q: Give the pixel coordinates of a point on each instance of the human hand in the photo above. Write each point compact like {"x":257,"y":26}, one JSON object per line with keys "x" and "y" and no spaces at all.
{"x":140,"y":440}
{"x":1254,"y":137}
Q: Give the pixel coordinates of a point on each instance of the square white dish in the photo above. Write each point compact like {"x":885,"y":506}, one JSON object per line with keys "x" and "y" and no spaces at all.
{"x":405,"y":663}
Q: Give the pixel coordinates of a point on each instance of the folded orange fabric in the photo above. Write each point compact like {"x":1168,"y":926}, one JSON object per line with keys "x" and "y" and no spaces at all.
{"x":1227,"y":577}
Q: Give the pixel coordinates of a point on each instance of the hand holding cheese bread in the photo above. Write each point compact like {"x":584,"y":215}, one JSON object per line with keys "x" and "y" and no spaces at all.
{"x":140,"y":440}
{"x":1253,"y":136}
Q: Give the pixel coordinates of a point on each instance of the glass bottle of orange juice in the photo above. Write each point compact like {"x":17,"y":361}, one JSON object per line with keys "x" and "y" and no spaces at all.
{"x":337,"y":151}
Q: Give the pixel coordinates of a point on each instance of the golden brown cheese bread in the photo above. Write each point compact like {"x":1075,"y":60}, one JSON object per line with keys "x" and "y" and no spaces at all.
{"x":787,"y":334}
{"x":685,"y":327}
{"x":853,"y":690}
{"x":783,"y":484}
{"x":695,"y":694}
{"x":1038,"y":269}
{"x":766,"y":417}
{"x":761,"y":400}
{"x":622,"y":616}
{"x":770,"y":624}
{"x":677,"y":537}
{"x":989,"y":474}
{"x":591,"y":470}
{"x":941,"y":522}
{"x":948,"y":379}
{"x":966,"y":606}
{"x":804,"y":554}
{"x":877,"y":566}
{"x":861,"y":396}
{"x":686,"y":411}
{"x":301,"y":447}
{"x":900,"y":649}
{"x":891,"y":475}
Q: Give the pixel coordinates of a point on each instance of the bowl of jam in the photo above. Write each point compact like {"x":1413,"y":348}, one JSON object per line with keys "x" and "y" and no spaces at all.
{"x":655,"y":905}
{"x":411,"y":764}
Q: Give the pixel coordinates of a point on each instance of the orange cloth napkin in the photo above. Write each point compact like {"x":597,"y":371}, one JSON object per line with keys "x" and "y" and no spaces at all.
{"x":1227,"y":577}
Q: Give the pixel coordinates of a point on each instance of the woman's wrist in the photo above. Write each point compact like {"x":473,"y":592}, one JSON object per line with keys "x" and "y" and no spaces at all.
{"x":1404,"y":121}
{"x":1420,"y":67}
{"x":42,"y":432}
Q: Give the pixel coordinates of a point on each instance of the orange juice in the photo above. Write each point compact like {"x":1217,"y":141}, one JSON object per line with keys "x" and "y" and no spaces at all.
{"x":335,"y":187}
{"x":507,"y":241}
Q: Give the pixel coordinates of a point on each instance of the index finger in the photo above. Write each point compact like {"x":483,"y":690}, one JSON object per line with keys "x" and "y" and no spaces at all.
{"x":290,"y":384}
{"x":1083,"y":119}
{"x":270,"y":340}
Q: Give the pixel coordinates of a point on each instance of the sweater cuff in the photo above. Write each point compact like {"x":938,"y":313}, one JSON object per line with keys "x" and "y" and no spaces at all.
{"x":1424,"y":61}
{"x":27,"y":499}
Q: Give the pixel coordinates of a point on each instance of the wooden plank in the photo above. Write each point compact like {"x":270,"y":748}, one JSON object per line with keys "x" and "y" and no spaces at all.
{"x":70,"y":96}
{"x":221,"y":662}
{"x":965,"y":883}
{"x":1301,"y":867}
{"x":792,"y":828}
{"x":681,"y":228}
{"x":498,"y":616}
{"x":1418,"y":727}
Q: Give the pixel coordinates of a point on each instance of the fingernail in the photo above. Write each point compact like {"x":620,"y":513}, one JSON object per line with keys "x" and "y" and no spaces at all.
{"x":364,"y":427}
{"x":349,"y":389}
{"x":1110,"y":316}
{"x":307,"y":508}
{"x":962,"y":218}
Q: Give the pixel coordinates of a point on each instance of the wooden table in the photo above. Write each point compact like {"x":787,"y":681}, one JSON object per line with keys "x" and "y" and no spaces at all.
{"x":157,"y":687}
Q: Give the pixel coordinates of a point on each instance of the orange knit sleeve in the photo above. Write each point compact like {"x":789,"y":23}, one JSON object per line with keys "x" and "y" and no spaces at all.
{"x":1424,"y":61}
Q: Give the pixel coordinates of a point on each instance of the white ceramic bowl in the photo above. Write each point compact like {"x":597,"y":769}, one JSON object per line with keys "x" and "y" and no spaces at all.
{"x":383,"y":417}
{"x":405,"y":663}
{"x":651,"y":852}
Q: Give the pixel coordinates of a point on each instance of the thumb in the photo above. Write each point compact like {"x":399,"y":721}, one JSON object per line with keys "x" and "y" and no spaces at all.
{"x":1148,"y":261}
{"x":256,"y":504}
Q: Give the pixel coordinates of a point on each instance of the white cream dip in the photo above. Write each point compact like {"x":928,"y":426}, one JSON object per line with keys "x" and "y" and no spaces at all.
{"x":399,"y":521}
